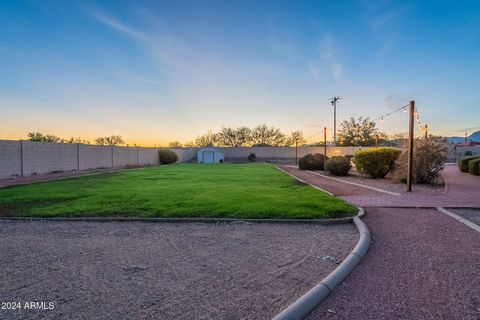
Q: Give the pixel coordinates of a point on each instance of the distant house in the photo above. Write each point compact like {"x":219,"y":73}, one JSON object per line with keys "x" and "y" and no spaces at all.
{"x":209,"y":155}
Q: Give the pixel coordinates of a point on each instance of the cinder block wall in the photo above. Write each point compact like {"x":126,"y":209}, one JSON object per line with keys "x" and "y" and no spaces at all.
{"x":147,"y":156}
{"x":92,"y":157}
{"x":44,"y":157}
{"x":10,"y":158}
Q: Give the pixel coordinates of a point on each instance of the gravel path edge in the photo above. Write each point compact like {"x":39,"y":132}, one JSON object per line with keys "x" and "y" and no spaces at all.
{"x":303,"y":181}
{"x":306,"y":303}
{"x":180,"y":220}
{"x":460,"y":219}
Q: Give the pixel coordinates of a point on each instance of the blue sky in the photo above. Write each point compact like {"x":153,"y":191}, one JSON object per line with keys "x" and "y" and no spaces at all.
{"x":157,"y":71}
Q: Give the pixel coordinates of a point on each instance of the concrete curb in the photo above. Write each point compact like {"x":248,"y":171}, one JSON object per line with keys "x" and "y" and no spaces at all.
{"x":180,"y":220}
{"x":306,"y":303}
{"x":303,"y":181}
{"x":356,"y":184}
{"x":459,"y":218}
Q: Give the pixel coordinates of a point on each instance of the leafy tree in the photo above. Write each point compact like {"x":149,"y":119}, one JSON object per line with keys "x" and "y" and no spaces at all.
{"x":208,"y":139}
{"x":175,"y":144}
{"x":267,"y":136}
{"x":231,"y":137}
{"x":361,"y":132}
{"x":113,"y":140}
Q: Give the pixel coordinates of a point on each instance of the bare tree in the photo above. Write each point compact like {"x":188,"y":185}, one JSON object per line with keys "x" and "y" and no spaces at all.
{"x":175,"y":144}
{"x":267,"y":136}
{"x":208,"y":139}
{"x":113,"y":140}
{"x":295,"y":139}
{"x":230,"y":137}
{"x":40,"y":137}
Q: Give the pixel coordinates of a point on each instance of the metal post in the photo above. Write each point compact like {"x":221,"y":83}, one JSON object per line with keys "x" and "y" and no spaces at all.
{"x":325,"y":141}
{"x":137,"y":157}
{"x":410,"y":146}
{"x":112,"y":155}
{"x":78,"y":157}
{"x":426,"y":132}
{"x":376,"y":141}
{"x":296,"y":152}
{"x":21,"y":158}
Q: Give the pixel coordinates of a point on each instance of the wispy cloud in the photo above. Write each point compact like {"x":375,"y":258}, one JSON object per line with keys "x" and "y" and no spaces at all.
{"x":327,"y":56}
{"x":162,"y":45}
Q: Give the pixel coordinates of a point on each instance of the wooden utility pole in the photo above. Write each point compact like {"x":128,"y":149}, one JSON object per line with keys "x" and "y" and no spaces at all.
{"x":325,"y":141}
{"x":376,"y":140}
{"x":426,"y":132}
{"x":333,"y":101}
{"x":411,"y":132}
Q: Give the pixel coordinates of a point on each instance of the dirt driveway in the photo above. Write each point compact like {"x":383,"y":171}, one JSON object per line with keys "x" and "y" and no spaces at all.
{"x":118,"y":270}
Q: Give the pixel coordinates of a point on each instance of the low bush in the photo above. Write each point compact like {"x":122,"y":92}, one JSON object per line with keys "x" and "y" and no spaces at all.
{"x":474,"y":167}
{"x":376,"y":162}
{"x":167,"y":156}
{"x":252,"y":157}
{"x":463,"y":163}
{"x":338,"y":165}
{"x":312,"y":162}
{"x":429,"y":156}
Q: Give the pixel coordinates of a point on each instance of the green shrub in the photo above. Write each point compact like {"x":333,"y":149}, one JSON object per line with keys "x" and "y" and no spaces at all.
{"x":338,"y":165}
{"x":252,"y":157}
{"x":474,"y":167}
{"x":463,"y":162}
{"x":312,"y":162}
{"x":376,"y":162}
{"x":167,"y":156}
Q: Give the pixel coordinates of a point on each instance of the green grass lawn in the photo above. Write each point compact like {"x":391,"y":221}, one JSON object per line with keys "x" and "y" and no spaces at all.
{"x":185,"y":190}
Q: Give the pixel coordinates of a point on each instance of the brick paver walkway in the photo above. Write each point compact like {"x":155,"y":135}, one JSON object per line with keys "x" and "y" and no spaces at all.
{"x":462,"y":190}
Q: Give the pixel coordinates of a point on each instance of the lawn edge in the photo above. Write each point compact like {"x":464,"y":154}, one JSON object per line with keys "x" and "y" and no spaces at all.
{"x":310,"y":300}
{"x":180,"y":220}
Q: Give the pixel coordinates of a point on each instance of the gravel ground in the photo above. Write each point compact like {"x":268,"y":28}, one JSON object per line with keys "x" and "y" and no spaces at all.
{"x":469,"y":214}
{"x":422,"y":264}
{"x":121,"y":270}
{"x":388,"y":184}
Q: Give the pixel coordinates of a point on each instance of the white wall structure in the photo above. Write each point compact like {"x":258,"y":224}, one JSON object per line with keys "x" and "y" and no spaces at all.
{"x":209,"y":155}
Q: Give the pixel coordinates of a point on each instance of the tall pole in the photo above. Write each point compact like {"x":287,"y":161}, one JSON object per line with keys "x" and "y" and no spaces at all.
{"x":333,"y":101}
{"x":325,"y":141}
{"x":426,"y":132}
{"x":296,"y":152}
{"x":411,"y":129}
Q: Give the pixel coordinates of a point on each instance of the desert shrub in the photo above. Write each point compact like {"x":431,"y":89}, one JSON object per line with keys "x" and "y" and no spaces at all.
{"x":338,"y":165}
{"x":463,"y":163}
{"x":474,"y":167}
{"x":376,"y":162}
{"x":312,"y":162}
{"x":167,"y":156}
{"x":252,"y":157}
{"x":429,"y":156}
